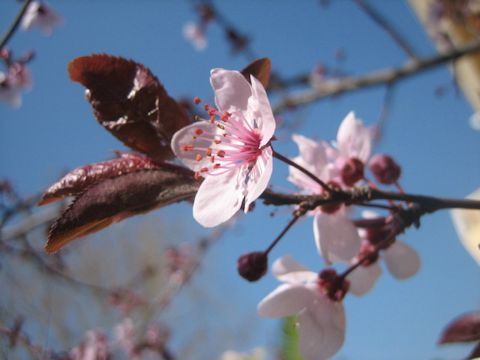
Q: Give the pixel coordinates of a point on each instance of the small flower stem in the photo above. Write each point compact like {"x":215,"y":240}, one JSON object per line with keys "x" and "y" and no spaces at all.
{"x":11,"y":30}
{"x":302,"y":169}
{"x":296,"y":216}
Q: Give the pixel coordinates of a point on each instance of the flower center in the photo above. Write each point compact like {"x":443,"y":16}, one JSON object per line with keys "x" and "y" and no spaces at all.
{"x":228,"y":141}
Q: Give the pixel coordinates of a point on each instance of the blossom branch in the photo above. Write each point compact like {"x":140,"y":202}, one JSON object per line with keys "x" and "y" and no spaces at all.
{"x":375,"y":16}
{"x":16,"y":22}
{"x":361,"y":195}
{"x":376,"y":78}
{"x":16,"y":337}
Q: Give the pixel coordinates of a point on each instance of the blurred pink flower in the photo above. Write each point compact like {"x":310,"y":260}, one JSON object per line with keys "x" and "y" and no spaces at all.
{"x":335,"y":235}
{"x":231,"y":150}
{"x":40,"y":15}
{"x":12,"y":83}
{"x":195,"y":34}
{"x":321,"y":321}
{"x":95,"y":347}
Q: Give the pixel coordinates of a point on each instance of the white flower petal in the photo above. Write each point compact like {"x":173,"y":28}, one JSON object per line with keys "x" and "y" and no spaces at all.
{"x":363,"y":278}
{"x":402,"y":261}
{"x":285,"y":300}
{"x":353,"y":138}
{"x":232,"y":90}
{"x":218,"y":198}
{"x":321,"y":328}
{"x":336,"y":237}
{"x":260,"y":177}
{"x":262,"y":111}
{"x":183,"y":137}
{"x":286,"y":264}
{"x":299,"y":277}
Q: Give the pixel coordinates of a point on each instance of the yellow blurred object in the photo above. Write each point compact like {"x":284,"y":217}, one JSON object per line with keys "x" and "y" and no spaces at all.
{"x":452,"y":24}
{"x":467,"y":224}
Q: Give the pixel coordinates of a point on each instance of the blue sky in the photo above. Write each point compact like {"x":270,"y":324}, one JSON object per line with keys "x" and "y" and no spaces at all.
{"x":430,"y":137}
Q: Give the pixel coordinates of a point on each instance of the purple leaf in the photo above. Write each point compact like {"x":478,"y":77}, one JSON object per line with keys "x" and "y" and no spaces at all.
{"x":82,"y":177}
{"x":260,"y":69}
{"x":465,"y":328}
{"x":115,"y":199}
{"x":129,"y":101}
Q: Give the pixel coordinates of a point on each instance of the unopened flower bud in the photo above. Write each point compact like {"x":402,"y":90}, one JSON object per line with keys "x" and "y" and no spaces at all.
{"x":252,"y":266}
{"x":333,"y":286}
{"x":384,"y":168}
{"x":352,"y":171}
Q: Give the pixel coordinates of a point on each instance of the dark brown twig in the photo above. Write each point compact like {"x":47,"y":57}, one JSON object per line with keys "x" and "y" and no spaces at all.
{"x":16,"y":22}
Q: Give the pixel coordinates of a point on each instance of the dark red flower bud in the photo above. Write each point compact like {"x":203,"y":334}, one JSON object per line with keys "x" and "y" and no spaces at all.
{"x":333,"y":286}
{"x":252,"y":266}
{"x":331,"y":208}
{"x":384,"y":168}
{"x":352,"y":171}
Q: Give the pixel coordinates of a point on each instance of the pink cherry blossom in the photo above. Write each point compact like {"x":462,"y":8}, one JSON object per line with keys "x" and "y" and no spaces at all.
{"x":12,"y":83}
{"x":352,"y":150}
{"x":195,"y":34}
{"x":231,"y":150}
{"x":321,"y":321}
{"x":401,"y":260}
{"x":40,"y":15}
{"x":335,"y":235}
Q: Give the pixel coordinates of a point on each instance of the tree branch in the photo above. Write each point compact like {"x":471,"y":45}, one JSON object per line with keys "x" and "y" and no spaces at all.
{"x":376,"y":78}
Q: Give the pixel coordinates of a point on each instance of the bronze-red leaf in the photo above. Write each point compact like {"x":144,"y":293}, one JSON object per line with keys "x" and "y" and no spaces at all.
{"x":129,"y":101}
{"x":115,"y":199}
{"x":261,"y":69}
{"x":465,"y":328}
{"x":82,"y":177}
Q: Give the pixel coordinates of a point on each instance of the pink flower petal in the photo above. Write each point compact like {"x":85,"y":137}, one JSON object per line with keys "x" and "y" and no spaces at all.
{"x":285,"y":300}
{"x":353,"y":138}
{"x":184,"y":137}
{"x":40,"y":15}
{"x":321,"y":328}
{"x":259,"y":177}
{"x":232,"y":90}
{"x":402,"y":261}
{"x":218,"y":198}
{"x":313,"y":158}
{"x":363,"y":278}
{"x":336,"y":237}
{"x":262,"y":111}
